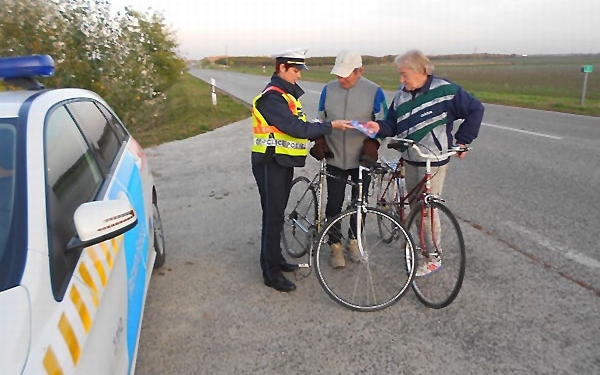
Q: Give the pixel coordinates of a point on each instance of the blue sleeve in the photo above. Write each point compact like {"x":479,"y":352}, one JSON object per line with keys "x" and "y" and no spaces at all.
{"x":321,"y":108}
{"x":387,"y":127}
{"x":322,"y":99}
{"x":380,"y":109}
{"x":464,"y":106}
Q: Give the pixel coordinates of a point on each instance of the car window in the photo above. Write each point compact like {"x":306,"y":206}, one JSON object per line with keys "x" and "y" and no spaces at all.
{"x":72,"y":177}
{"x":7,"y":184}
{"x":115,"y":123}
{"x":98,"y":132}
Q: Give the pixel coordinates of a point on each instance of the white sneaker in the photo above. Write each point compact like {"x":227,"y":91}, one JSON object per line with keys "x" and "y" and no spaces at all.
{"x":428,"y":265}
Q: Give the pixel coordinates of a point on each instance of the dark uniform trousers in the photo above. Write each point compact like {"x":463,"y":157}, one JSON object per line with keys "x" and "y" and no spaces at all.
{"x":274,"y":183}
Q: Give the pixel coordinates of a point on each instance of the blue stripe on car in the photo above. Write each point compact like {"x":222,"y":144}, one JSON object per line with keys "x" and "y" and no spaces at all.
{"x":135,"y":246}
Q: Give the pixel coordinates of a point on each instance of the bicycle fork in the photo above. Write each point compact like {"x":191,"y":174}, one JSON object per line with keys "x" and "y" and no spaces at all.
{"x":428,"y":214}
{"x":361,"y":209}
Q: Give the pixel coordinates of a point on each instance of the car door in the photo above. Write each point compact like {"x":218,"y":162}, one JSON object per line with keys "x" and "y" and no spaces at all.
{"x":95,"y":324}
{"x":88,"y":318}
{"x":118,"y":159}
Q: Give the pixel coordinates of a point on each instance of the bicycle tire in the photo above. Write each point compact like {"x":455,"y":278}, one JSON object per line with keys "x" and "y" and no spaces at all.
{"x":380,"y":278}
{"x":300,"y":218}
{"x":440,"y":288}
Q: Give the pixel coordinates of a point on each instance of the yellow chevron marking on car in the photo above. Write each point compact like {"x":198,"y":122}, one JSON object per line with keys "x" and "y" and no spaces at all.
{"x":98,"y":265}
{"x":82,"y":309}
{"x":68,"y":334}
{"x":51,"y":363}
{"x":107,"y":253}
{"x":93,"y":269}
{"x":89,"y":281}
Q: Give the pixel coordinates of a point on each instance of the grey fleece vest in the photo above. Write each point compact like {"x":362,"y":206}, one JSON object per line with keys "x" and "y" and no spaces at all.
{"x":353,"y":104}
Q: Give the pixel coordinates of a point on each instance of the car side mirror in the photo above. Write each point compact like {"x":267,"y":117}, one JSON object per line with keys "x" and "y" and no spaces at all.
{"x":99,"y":221}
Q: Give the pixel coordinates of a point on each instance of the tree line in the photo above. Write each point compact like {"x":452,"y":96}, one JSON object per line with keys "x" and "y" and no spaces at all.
{"x":259,"y":61}
{"x":128,"y":57}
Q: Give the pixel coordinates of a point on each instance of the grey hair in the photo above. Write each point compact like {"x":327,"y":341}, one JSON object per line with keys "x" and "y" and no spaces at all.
{"x":416,"y":61}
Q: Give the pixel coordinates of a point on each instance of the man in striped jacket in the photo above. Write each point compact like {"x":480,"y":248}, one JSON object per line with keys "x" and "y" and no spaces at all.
{"x":424,"y":109}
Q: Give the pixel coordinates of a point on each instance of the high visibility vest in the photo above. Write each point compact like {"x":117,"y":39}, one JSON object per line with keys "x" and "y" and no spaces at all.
{"x":268,"y":135}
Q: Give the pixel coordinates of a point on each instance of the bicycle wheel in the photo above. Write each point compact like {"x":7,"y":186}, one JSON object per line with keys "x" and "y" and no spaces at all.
{"x":439,"y":288}
{"x":380,"y":277}
{"x":300,"y":218}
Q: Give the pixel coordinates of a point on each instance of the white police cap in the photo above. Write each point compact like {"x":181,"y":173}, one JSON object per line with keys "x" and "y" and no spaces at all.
{"x":295,"y":57}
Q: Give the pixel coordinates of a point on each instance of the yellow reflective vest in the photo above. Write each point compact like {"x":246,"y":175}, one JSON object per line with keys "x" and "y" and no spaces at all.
{"x":268,"y":135}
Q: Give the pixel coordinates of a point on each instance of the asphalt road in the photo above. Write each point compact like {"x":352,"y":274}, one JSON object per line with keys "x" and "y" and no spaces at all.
{"x":527,"y":199}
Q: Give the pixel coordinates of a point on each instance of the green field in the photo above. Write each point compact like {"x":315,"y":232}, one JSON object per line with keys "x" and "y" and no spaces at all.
{"x":542,"y":82}
{"x":547,"y":82}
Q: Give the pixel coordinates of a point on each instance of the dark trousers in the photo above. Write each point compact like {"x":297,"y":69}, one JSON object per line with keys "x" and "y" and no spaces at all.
{"x":336,"y":193}
{"x":274,"y":183}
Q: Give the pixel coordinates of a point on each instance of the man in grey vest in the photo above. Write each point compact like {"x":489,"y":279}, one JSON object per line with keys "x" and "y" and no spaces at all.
{"x":352,"y":97}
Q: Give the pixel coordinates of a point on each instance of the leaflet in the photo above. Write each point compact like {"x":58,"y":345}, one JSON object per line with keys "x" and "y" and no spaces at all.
{"x":363,"y":128}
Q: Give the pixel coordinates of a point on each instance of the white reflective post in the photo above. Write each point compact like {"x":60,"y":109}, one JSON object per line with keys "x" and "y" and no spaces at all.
{"x":214,"y":91}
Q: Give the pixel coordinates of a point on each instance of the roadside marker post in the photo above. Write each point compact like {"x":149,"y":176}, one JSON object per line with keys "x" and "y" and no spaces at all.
{"x":585,"y":69}
{"x":214,"y":91}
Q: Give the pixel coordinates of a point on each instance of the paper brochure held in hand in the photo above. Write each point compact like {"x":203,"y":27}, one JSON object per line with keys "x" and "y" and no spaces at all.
{"x":363,"y":128}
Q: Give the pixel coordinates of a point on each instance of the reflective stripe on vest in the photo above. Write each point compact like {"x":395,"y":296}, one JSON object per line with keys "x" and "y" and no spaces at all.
{"x":268,"y":135}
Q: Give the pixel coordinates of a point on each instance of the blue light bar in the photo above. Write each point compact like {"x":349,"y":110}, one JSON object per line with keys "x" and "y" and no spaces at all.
{"x":26,"y":66}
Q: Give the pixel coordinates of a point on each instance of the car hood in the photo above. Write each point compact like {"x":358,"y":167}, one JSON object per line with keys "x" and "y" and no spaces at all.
{"x":15,"y":329}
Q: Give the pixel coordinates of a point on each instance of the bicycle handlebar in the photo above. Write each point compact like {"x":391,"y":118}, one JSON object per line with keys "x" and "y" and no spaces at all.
{"x":398,"y":143}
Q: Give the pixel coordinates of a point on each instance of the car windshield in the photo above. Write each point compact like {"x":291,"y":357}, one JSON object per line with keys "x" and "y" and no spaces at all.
{"x":7,"y":195}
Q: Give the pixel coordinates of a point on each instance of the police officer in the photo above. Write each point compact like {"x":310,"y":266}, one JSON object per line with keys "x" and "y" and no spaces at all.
{"x":281,"y":134}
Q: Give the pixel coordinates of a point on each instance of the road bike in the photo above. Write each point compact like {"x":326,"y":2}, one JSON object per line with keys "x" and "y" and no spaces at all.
{"x":431,"y":224}
{"x":384,"y":271}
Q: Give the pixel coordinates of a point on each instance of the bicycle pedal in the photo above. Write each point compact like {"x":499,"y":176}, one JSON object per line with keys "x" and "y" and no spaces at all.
{"x":303,"y":265}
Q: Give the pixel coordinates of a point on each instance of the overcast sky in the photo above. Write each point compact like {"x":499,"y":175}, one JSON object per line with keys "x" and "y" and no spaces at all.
{"x":378,"y":27}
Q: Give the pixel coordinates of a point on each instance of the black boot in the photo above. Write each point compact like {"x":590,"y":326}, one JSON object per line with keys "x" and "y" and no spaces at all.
{"x":280,"y":283}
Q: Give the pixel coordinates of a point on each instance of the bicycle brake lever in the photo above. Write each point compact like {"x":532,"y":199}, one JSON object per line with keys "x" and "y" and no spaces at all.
{"x":459,"y":149}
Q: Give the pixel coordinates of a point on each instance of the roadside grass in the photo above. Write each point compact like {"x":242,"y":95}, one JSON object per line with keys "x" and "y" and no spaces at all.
{"x":187,"y":111}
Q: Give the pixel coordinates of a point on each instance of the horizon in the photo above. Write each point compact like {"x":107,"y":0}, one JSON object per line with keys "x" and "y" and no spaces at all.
{"x":428,"y":55}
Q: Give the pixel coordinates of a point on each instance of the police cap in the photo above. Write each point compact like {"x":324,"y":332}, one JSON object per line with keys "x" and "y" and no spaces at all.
{"x":295,"y":57}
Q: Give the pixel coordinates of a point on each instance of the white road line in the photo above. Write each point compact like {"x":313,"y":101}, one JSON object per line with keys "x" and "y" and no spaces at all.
{"x":521,"y":131}
{"x":554,"y":246}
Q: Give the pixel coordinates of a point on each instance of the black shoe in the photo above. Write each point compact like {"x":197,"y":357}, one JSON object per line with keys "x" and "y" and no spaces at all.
{"x":280,"y":283}
{"x":288,"y":267}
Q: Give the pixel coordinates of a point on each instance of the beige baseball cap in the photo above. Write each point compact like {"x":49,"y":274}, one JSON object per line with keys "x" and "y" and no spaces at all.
{"x":345,"y":62}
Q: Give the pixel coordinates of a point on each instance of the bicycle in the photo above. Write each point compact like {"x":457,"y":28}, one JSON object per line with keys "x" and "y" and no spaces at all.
{"x":384,"y":271}
{"x":431,"y":224}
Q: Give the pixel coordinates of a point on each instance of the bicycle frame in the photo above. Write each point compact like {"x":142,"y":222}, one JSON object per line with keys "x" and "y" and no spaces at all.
{"x":419,"y":193}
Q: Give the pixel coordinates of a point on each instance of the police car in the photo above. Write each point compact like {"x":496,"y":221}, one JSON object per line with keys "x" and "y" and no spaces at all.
{"x":80,"y":230}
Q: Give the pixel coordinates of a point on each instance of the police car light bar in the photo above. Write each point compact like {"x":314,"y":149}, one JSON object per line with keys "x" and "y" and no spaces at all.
{"x":26,"y":66}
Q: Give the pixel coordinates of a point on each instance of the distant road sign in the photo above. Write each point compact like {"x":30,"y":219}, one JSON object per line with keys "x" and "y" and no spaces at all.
{"x":587,"y":69}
